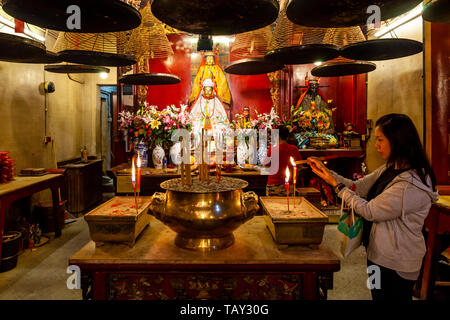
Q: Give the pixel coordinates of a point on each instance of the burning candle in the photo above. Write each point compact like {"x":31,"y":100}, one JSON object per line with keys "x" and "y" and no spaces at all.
{"x":138,"y":178}
{"x":133,"y":182}
{"x":287,"y":185}
{"x":133,"y":175}
{"x":294,"y":178}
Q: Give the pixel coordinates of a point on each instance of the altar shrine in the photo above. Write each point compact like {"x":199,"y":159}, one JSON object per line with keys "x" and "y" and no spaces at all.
{"x":224,"y":150}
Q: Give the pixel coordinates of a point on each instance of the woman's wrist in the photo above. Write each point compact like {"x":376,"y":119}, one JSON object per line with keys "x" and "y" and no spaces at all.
{"x":338,"y":187}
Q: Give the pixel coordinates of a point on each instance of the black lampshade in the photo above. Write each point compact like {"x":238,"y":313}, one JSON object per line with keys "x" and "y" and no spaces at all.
{"x":205,"y":43}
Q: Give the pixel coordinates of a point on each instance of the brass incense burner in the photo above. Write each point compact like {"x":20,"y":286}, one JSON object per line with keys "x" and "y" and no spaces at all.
{"x":204,"y":215}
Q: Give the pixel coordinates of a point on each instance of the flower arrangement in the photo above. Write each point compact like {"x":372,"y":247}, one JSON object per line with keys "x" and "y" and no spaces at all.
{"x":291,"y":122}
{"x":314,"y":121}
{"x":153,"y":126}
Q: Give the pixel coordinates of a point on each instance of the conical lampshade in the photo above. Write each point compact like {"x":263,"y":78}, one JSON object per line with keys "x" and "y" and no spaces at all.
{"x":342,"y":67}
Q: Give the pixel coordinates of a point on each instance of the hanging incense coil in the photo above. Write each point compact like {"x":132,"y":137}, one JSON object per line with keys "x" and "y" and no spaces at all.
{"x":436,"y":11}
{"x":344,"y":36}
{"x":149,"y":39}
{"x":252,"y":66}
{"x":382,"y":49}
{"x":216,"y":17}
{"x":98,"y":49}
{"x":342,"y":67}
{"x":294,"y":44}
{"x":344,"y":13}
{"x":252,"y":44}
{"x":95,"y":16}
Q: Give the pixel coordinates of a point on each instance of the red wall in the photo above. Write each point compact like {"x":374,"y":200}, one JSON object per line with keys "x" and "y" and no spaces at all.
{"x":440,"y":110}
{"x":252,"y":91}
{"x":179,"y":65}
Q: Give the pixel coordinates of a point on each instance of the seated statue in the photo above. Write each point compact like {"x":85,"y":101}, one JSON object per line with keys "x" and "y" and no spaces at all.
{"x":313,"y":101}
{"x":208,"y":111}
{"x":210,"y":69}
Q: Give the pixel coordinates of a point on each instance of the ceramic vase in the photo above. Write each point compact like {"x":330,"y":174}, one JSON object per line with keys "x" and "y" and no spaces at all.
{"x":158,"y":157}
{"x":141,"y":147}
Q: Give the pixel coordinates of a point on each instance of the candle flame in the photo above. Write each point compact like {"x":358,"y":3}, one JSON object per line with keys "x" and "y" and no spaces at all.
{"x":293,"y":162}
{"x":138,"y":162}
{"x":288,"y":174}
{"x":133,"y":173}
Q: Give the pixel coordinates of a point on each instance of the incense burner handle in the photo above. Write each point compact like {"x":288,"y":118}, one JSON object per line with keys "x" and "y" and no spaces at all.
{"x":158,"y":205}
{"x":250,"y":204}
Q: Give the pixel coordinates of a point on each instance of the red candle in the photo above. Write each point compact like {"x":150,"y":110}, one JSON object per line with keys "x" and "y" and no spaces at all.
{"x":133,"y":175}
{"x":138,"y":178}
{"x":295,"y":176}
{"x":295,"y":171}
{"x":133,"y":182}
{"x":287,"y":185}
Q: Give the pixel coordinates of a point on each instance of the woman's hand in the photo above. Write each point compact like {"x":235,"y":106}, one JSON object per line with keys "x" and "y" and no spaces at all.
{"x":319,"y":168}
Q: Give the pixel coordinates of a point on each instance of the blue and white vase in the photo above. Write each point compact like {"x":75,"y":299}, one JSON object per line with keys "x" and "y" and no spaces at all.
{"x":158,"y":157}
{"x":141,"y":147}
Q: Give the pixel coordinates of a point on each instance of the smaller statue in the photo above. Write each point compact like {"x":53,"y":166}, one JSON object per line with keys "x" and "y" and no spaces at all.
{"x":350,"y":137}
{"x":244,"y":119}
{"x":349,"y":130}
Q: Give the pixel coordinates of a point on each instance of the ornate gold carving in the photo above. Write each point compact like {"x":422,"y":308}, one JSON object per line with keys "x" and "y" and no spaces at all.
{"x":275,"y":87}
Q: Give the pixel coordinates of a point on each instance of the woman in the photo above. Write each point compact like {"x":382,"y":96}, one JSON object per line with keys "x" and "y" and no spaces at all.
{"x":396,"y":197}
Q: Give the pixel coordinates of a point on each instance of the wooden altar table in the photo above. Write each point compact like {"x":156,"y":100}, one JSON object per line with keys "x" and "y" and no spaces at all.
{"x":254,"y":268}
{"x":151,"y":179}
{"x":23,"y":187}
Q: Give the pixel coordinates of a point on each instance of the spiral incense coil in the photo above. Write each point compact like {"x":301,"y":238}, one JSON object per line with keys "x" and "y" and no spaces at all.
{"x":99,"y":49}
{"x":149,"y":39}
{"x":295,"y":44}
{"x":252,"y":44}
{"x":343,"y":36}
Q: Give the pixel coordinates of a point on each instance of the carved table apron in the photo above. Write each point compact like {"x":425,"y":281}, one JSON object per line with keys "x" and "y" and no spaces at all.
{"x":254,"y":268}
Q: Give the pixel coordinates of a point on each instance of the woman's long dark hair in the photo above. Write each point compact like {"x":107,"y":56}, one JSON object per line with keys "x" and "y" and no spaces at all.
{"x":405,"y":145}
